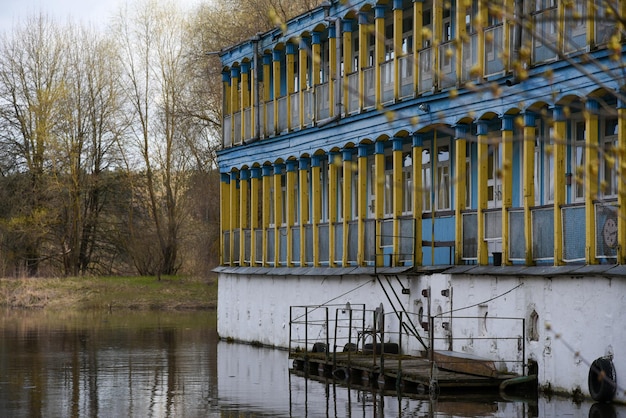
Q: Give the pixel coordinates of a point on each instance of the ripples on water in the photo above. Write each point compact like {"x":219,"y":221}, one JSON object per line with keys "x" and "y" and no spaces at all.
{"x":155,"y":364}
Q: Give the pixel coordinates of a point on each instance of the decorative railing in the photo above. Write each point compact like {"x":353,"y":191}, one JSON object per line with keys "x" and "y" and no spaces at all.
{"x":494,"y":48}
{"x":387,"y":81}
{"x":426,"y":79}
{"x":369,"y":93}
{"x":405,"y":64}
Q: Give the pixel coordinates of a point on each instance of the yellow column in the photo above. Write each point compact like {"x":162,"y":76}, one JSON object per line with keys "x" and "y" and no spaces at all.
{"x":291,"y":77}
{"x":244,"y":216}
{"x":507,"y":182}
{"x":316,"y":206}
{"x":529,"y":182}
{"x":364,"y":34}
{"x":347,"y":60}
{"x":265,"y":209}
{"x":437,"y":36}
{"x":234,"y":214}
{"x":591,"y":177}
{"x":245,"y":97}
{"x":417,"y":198}
{"x":225,"y":217}
{"x":621,"y":186}
{"x":291,"y":207}
{"x":483,"y":157}
{"x":332,"y":68}
{"x":461,"y":36}
{"x":591,"y":24}
{"x":362,"y":203}
{"x":379,"y":50}
{"x":304,"y":219}
{"x":398,"y":197}
{"x":266,"y":93}
{"x":417,"y":42}
{"x":379,"y":196}
{"x":459,"y":191}
{"x":276,"y":56}
{"x":255,"y":189}
{"x":334,"y":162}
{"x":481,"y":24}
{"x":226,"y":92}
{"x":316,"y":60}
{"x":234,"y":100}
{"x":278,"y":210}
{"x":303,"y":68}
{"x":347,"y":202}
{"x":397,"y":46}
{"x":560,"y":138}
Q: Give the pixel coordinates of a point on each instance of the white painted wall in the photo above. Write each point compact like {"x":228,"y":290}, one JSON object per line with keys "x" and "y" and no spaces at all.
{"x":579,"y":319}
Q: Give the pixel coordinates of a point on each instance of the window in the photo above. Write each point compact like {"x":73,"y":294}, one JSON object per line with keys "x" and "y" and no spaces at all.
{"x":324,"y":190}
{"x":544,"y":164}
{"x":426,"y":178}
{"x":371,"y":189}
{"x":605,"y":21}
{"x":407,"y":183}
{"x":443,"y":175}
{"x":578,"y":160}
{"x":544,"y":30}
{"x":388,"y":186}
{"x":494,"y":167}
{"x":608,"y":157}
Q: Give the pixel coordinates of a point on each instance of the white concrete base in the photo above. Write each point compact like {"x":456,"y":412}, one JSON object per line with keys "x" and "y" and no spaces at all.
{"x":562,"y":323}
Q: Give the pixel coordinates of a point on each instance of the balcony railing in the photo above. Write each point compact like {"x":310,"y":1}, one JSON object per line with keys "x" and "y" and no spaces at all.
{"x":369,"y":94}
{"x":447,"y":65}
{"x":247,"y":124}
{"x":406,"y":76}
{"x":269,"y":119}
{"x":387,"y":83}
{"x":227,"y":131}
{"x":426,"y":80}
{"x":470,"y":58}
{"x":237,"y":128}
{"x":282,"y":114}
{"x":322,"y":102}
{"x":309,"y":107}
{"x":294,"y":98}
{"x":543,"y":233}
{"x":606,"y":230}
{"x":353,"y":93}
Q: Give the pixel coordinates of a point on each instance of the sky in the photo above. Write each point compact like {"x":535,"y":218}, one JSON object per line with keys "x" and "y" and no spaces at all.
{"x":97,"y":12}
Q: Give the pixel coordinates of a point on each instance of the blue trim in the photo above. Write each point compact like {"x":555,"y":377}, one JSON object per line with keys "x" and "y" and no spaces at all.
{"x":316,"y":38}
{"x":291,"y":49}
{"x":379,"y":147}
{"x":418,"y":140}
{"x":291,"y":165}
{"x":379,"y":11}
{"x":362,"y":150}
{"x":346,"y":154}
{"x":347,"y":25}
{"x":396,"y":144}
{"x":267,"y":170}
{"x":303,"y":163}
{"x":225,"y":178}
{"x":267,"y":59}
{"x":244,"y":174}
{"x":529,"y":119}
{"x":255,"y":172}
{"x":278,"y":169}
{"x":460,"y":131}
{"x":316,"y":161}
{"x":507,"y":122}
{"x":245,"y":67}
{"x":234,"y":72}
{"x":233,"y":175}
{"x":397,"y":4}
{"x":482,"y":127}
{"x":558,"y":114}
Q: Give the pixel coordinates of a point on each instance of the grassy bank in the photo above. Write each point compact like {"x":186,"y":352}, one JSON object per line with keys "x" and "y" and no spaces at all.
{"x":137,"y":293}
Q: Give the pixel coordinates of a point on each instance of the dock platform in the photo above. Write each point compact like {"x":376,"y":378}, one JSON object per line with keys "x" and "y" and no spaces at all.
{"x":411,"y":374}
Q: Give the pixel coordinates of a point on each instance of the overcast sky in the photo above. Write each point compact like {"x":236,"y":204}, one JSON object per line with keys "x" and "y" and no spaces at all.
{"x":94,"y":11}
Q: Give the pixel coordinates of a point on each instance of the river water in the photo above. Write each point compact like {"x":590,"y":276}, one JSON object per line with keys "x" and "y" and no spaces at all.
{"x":164,"y":364}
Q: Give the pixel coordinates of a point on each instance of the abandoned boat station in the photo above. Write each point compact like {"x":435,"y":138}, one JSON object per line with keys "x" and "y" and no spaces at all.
{"x":441,"y":182}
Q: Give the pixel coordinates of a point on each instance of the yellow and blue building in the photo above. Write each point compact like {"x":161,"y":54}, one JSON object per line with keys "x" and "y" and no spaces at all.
{"x":429,"y":140}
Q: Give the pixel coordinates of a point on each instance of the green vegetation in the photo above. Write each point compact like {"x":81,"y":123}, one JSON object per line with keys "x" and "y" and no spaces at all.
{"x":110,"y":293}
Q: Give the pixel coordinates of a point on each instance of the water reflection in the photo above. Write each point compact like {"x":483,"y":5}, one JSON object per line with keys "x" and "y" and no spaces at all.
{"x":172,"y":365}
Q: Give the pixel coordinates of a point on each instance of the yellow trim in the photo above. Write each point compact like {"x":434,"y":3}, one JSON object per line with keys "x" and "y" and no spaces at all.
{"x":417,"y":43}
{"x":362,"y":208}
{"x":243,"y":219}
{"x":278,"y":216}
{"x":332,"y":207}
{"x":316,"y":212}
{"x":363,"y":60}
{"x":316,"y":63}
{"x":621,"y":186}
{"x":291,"y":214}
{"x":507,"y":190}
{"x":398,"y":197}
{"x":379,"y":200}
{"x":277,"y":83}
{"x":397,"y":47}
{"x":302,"y":76}
{"x":483,"y":160}
{"x":459,"y":198}
{"x":529,"y":189}
{"x":303,"y":189}
{"x":347,"y":208}
{"x":591,"y":183}
{"x":417,"y":205}
{"x":254,"y":217}
{"x":266,"y":208}
{"x":379,"y":56}
{"x":560,"y":135}
{"x":245,"y":102}
{"x":224,"y":219}
{"x":332,"y":73}
{"x":234,"y":218}
{"x":291,"y":76}
{"x":347,"y":65}
{"x":267,"y":73}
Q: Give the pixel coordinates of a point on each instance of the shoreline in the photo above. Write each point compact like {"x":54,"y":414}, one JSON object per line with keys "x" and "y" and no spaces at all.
{"x":179,"y":293}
